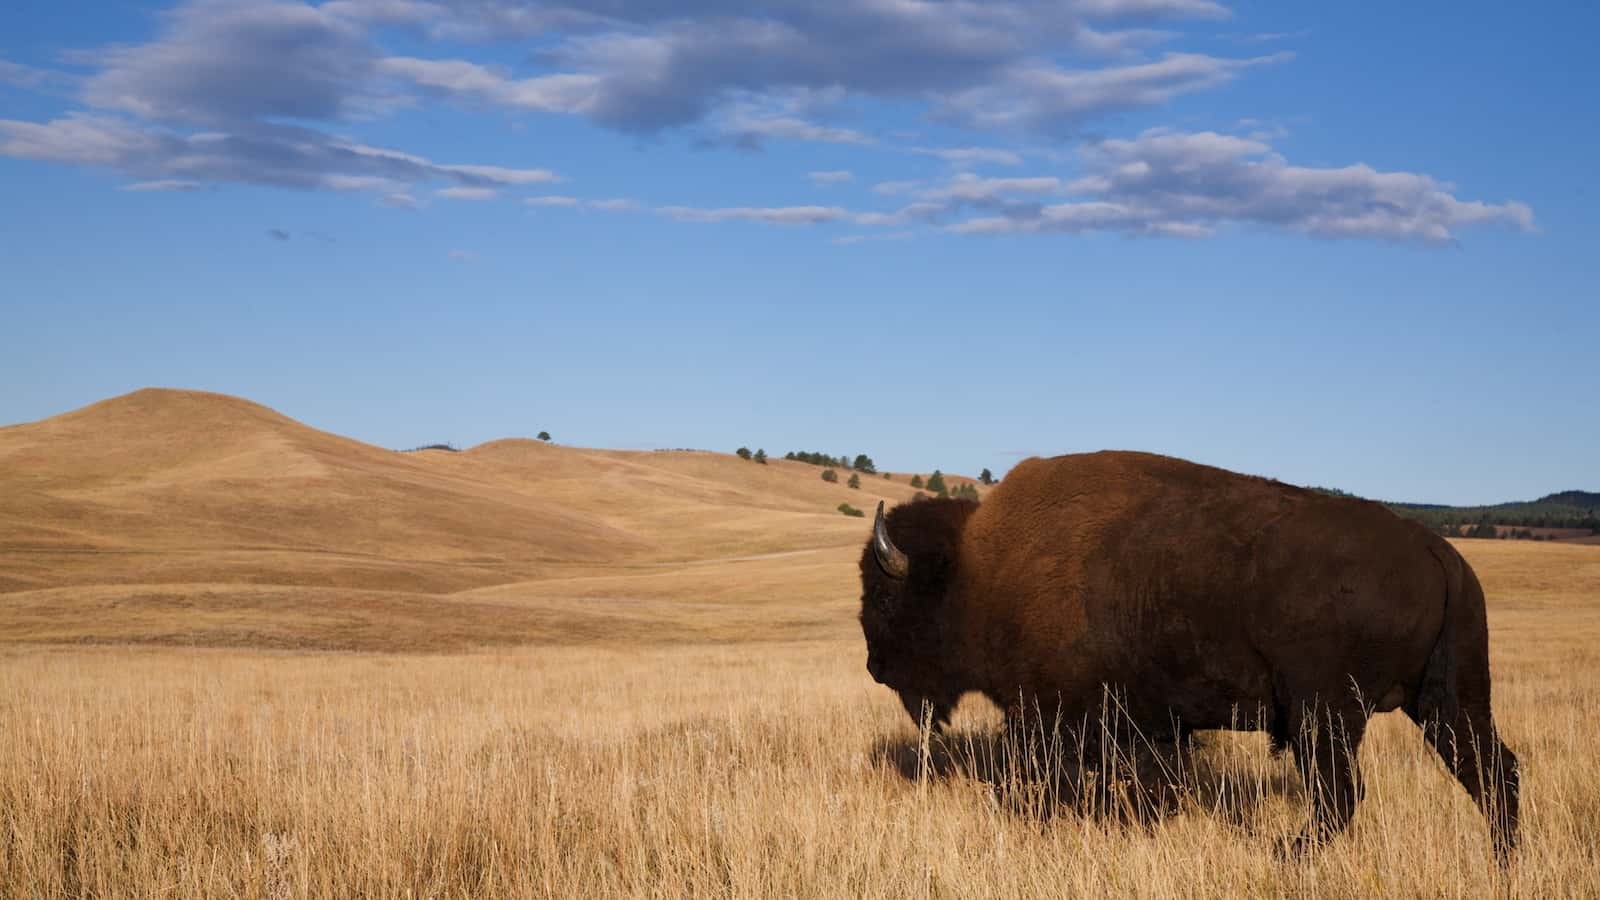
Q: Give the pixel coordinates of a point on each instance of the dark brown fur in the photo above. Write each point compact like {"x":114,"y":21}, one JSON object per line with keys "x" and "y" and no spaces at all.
{"x":1206,"y":599}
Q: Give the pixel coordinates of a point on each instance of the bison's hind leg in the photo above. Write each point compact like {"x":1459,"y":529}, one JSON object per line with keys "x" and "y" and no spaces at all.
{"x":1471,"y":748}
{"x":1326,"y":740}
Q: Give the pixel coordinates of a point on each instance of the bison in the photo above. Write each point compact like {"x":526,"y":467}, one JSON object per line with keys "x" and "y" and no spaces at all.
{"x":1207,"y":600}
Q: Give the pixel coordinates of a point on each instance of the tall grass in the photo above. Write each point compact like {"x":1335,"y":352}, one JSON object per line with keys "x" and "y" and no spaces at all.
{"x":736,"y":771}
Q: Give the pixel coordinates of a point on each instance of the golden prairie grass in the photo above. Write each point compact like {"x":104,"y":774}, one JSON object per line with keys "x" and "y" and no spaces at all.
{"x":737,"y":770}
{"x":564,"y":687}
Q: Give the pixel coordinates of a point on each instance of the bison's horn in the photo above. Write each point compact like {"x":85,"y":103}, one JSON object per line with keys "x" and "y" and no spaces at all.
{"x":889,"y":556}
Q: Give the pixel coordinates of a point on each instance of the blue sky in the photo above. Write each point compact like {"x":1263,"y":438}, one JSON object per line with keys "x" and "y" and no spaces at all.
{"x":1344,"y":245}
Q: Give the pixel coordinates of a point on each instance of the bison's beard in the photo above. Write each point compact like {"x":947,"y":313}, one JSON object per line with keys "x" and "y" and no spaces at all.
{"x":937,"y":713}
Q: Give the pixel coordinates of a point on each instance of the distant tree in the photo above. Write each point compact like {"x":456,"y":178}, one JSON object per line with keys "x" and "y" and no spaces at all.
{"x":863,"y":463}
{"x":544,"y":436}
{"x":886,"y":476}
{"x":849,"y":510}
{"x":936,"y":483}
{"x":986,"y":477}
{"x":916,"y":481}
{"x":817,"y":458}
{"x":965,"y":491}
{"x":761,"y":457}
{"x":743,"y":452}
{"x":919,"y":496}
{"x":830,"y":476}
{"x":855,"y":480}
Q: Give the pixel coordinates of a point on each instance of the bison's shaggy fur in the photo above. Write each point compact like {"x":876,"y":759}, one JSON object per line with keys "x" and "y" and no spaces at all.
{"x":1205,"y":599}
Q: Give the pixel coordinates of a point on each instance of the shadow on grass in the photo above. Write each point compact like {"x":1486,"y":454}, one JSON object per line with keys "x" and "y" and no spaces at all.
{"x":1135,"y":783}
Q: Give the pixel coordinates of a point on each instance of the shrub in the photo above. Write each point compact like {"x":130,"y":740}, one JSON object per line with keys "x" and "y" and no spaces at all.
{"x":916,"y":481}
{"x":863,"y":463}
{"x":761,"y":456}
{"x":986,"y":477}
{"x":450,"y":447}
{"x":855,"y":481}
{"x":919,"y":496}
{"x":544,"y":436}
{"x":849,"y":510}
{"x":965,"y":491}
{"x":742,"y":452}
{"x":830,"y":476}
{"x":886,"y":476}
{"x":936,"y":483}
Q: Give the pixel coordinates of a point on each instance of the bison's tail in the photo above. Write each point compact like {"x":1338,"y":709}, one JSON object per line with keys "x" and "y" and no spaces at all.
{"x":1436,"y":701}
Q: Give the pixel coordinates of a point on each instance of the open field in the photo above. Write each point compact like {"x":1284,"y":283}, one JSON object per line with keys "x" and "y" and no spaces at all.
{"x":627,"y":674}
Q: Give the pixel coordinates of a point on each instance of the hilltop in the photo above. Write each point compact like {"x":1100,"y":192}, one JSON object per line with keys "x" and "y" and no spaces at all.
{"x":168,"y":515}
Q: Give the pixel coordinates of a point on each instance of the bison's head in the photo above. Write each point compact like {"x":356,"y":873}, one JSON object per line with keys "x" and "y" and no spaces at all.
{"x":907,"y":569}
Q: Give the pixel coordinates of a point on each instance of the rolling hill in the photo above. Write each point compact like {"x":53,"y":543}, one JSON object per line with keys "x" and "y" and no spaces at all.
{"x":182,"y":516}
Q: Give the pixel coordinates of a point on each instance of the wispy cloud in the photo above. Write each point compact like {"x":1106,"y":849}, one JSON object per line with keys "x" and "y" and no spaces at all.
{"x":553,"y":200}
{"x":272,"y":155}
{"x":16,"y":74}
{"x":278,"y":234}
{"x":1042,"y":96}
{"x":848,"y":240}
{"x":606,"y":204}
{"x":169,"y":185}
{"x":972,"y":156}
{"x":765,"y":215}
{"x":467,"y":193}
{"x":832,"y":176}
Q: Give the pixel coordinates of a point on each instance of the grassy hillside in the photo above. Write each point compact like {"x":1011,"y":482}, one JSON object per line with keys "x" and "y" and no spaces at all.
{"x":185,"y":517}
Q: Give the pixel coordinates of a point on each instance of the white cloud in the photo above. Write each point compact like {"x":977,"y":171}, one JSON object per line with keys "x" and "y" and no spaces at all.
{"x":1193,"y":184}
